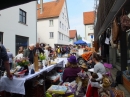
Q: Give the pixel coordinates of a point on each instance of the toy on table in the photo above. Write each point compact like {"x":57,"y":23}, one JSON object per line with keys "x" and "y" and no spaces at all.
{"x":82,"y":79}
{"x":105,"y":86}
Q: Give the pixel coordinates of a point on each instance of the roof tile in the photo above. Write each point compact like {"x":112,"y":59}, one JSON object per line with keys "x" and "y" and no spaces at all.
{"x":50,"y":9}
{"x":72,"y":33}
{"x":88,"y":17}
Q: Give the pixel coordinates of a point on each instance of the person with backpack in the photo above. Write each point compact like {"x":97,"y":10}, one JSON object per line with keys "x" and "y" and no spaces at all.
{"x":59,"y":51}
{"x":4,"y":62}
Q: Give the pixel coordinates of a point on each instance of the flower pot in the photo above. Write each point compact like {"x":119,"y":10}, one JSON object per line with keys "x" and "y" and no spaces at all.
{"x":26,"y":68}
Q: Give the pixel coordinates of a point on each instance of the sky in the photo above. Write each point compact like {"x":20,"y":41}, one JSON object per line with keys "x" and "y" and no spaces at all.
{"x":75,"y":13}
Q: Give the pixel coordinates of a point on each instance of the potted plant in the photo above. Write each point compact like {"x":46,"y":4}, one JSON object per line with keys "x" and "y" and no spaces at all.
{"x":23,"y":63}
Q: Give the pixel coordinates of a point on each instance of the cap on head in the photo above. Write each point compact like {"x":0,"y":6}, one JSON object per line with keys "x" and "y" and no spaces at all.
{"x":72,"y":59}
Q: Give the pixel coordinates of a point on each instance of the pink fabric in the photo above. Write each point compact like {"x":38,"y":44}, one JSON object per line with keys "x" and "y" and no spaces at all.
{"x":108,"y":65}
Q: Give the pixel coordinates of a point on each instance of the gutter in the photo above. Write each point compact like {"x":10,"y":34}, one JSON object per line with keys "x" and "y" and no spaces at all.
{"x":113,"y":12}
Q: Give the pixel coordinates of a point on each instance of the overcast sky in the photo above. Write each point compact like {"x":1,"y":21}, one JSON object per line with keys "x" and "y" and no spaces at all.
{"x":75,"y":12}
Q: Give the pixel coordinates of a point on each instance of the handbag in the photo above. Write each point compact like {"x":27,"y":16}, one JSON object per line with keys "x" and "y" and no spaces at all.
{"x":115,"y":31}
{"x":111,"y":42}
{"x":125,"y":21}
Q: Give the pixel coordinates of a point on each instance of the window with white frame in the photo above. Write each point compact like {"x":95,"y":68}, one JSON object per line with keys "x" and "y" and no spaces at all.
{"x":59,"y":36}
{"x":51,"y":23}
{"x":62,"y":36}
{"x":65,"y":18}
{"x":65,"y":28}
{"x":60,"y":24}
{"x":64,"y":10}
{"x":63,"y":15}
{"x":51,"y":35}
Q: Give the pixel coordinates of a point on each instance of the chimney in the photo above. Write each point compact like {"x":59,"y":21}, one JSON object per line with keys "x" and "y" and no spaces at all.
{"x":41,"y":3}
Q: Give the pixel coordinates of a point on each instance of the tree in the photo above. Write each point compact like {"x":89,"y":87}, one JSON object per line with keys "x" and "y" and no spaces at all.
{"x":79,"y":37}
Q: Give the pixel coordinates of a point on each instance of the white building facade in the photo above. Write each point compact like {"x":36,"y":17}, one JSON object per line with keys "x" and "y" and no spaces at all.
{"x":89,"y":32}
{"x":18,"y":26}
{"x":89,"y":26}
{"x":54,"y":30}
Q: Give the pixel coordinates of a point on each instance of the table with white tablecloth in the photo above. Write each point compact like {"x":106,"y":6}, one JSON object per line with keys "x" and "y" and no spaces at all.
{"x":17,"y":84}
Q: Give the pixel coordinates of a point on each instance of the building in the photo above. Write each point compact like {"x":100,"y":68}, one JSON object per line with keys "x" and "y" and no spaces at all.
{"x":72,"y":36}
{"x":114,"y":43}
{"x":53,"y":23}
{"x":18,"y":26}
{"x":88,"y":19}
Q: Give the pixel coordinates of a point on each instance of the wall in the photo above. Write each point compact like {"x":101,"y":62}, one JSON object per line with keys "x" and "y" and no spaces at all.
{"x":10,"y":26}
{"x":72,"y":40}
{"x":64,"y":19}
{"x":89,"y":29}
{"x":44,"y":29}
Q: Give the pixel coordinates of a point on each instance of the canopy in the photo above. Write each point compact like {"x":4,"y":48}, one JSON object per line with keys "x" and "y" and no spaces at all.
{"x":80,"y":42}
{"x":10,"y":3}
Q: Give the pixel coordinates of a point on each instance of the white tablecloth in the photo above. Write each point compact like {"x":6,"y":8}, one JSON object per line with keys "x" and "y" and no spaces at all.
{"x":17,"y":84}
{"x":64,"y":61}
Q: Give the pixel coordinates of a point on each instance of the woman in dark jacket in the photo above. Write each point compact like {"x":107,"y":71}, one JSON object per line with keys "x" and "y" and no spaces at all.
{"x":38,"y":50}
{"x":70,"y":73}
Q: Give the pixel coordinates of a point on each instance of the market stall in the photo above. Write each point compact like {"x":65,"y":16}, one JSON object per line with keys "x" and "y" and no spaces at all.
{"x":17,"y":85}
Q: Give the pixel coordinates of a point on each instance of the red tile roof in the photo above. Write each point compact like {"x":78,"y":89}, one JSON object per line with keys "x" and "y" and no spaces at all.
{"x":72,"y":33}
{"x":88,"y":17}
{"x":50,"y":9}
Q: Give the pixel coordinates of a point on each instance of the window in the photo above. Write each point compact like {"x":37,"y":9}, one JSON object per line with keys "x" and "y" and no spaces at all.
{"x":65,"y":18}
{"x":21,"y":41}
{"x":1,"y":37}
{"x":64,"y":10}
{"x":51,"y":35}
{"x":51,"y":22}
{"x":91,"y":27}
{"x":62,"y":36}
{"x":63,"y":15}
{"x":60,"y":24}
{"x":59,"y":36}
{"x":22,"y":16}
{"x":65,"y":28}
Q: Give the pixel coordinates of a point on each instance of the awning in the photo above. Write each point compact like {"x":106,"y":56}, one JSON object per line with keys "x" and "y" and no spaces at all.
{"x":10,"y":3}
{"x":114,"y":10}
{"x":80,"y":42}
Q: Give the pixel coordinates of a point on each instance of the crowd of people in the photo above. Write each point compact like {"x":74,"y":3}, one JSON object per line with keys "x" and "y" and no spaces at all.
{"x":72,"y":68}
